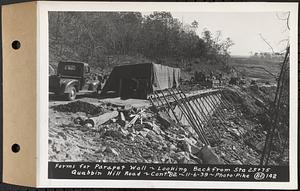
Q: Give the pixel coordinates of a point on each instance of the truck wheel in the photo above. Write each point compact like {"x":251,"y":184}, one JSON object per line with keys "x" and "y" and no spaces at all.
{"x":72,"y":94}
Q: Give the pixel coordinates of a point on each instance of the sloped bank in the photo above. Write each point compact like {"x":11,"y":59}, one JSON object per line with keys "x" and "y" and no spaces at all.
{"x":141,"y":135}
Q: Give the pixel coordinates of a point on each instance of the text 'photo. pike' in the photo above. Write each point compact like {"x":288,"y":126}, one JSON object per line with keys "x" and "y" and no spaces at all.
{"x":169,"y":87}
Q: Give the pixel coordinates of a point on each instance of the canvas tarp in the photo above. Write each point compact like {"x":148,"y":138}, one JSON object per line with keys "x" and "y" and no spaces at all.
{"x":165,"y":77}
{"x":149,"y":77}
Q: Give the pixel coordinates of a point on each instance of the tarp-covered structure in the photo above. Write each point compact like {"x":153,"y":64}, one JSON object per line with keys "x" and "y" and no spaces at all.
{"x":140,"y":80}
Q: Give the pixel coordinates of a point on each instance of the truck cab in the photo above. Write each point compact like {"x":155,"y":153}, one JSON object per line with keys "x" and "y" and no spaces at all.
{"x":73,"y":78}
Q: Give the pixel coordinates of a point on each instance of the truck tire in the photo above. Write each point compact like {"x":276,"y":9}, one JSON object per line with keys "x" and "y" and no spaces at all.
{"x":72,"y":94}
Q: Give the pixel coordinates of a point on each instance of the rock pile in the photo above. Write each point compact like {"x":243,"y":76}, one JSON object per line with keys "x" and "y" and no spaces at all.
{"x":81,"y":131}
{"x":121,"y":135}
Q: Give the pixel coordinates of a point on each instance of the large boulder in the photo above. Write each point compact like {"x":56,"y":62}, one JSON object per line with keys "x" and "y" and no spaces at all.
{"x":208,"y":156}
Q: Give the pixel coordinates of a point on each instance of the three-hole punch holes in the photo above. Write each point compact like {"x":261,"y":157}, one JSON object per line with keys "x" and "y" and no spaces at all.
{"x":16,"y":44}
{"x":15,"y":148}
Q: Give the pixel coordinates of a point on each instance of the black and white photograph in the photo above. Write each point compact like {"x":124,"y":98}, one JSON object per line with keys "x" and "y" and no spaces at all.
{"x":149,"y":95}
{"x":169,"y":87}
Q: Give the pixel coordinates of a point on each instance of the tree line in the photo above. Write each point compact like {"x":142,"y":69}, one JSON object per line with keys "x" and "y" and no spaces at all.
{"x":92,"y":36}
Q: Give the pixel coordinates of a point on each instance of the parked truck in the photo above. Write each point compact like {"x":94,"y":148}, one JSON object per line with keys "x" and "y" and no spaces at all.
{"x":73,"y":78}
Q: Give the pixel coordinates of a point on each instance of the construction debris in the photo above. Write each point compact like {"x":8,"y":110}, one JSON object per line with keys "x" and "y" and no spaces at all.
{"x":99,"y":120}
{"x":219,"y":130}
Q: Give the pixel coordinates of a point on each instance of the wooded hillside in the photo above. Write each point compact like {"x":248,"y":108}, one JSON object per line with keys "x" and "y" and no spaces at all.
{"x":105,"y":39}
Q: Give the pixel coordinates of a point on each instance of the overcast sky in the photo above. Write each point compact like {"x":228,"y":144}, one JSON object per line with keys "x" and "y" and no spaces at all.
{"x":243,"y":28}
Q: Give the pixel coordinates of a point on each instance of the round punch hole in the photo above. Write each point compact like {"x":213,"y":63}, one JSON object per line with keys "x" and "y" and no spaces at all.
{"x":15,"y":148}
{"x":16,"y":44}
